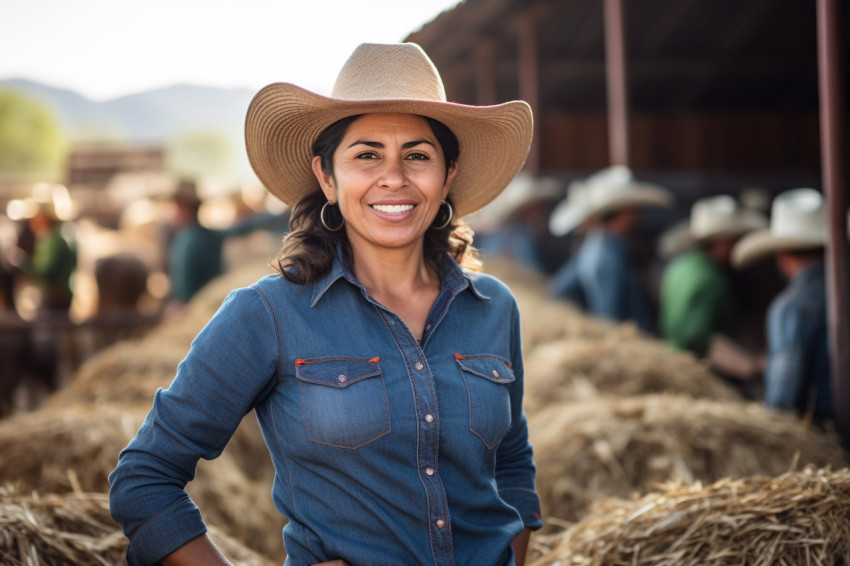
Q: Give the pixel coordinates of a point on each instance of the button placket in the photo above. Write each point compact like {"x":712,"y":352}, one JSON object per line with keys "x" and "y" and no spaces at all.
{"x":427,"y":441}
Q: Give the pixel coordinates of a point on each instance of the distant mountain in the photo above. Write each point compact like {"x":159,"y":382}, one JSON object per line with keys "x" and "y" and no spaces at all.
{"x":152,"y":116}
{"x":155,"y":117}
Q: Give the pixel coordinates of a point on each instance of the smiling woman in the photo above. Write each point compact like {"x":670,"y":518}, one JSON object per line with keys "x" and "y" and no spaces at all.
{"x":390,"y":392}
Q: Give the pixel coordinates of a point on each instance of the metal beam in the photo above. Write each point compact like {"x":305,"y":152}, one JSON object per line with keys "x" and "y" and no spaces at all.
{"x":831,"y":120}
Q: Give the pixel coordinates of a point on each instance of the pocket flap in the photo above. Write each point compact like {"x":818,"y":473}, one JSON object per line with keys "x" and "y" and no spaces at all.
{"x":336,"y":372}
{"x":492,"y":368}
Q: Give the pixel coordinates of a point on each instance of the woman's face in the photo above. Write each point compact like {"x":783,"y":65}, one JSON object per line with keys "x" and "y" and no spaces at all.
{"x":389,"y":178}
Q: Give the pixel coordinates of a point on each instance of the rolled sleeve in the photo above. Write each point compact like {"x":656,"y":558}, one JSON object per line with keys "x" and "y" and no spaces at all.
{"x":165,"y":533}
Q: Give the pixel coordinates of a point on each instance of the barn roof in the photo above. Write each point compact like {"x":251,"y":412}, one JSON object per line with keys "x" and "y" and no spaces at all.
{"x":682,"y":54}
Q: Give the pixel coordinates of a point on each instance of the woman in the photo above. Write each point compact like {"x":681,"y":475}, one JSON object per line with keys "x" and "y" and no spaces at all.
{"x":387,"y":381}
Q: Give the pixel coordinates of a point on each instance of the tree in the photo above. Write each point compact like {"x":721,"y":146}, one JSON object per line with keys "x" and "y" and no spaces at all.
{"x":31,"y":140}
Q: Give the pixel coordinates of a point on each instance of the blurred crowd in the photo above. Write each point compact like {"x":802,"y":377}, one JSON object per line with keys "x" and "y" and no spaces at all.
{"x":738,"y":282}
{"x":70,"y":286}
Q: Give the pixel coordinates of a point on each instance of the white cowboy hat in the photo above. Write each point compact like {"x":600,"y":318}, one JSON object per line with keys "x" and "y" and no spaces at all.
{"x":283,"y":121}
{"x":797,"y":222}
{"x":610,"y":189}
{"x":524,"y":190}
{"x":711,"y":217}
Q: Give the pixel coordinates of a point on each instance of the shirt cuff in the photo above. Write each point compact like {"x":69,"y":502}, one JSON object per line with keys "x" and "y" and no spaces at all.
{"x":526,"y":502}
{"x":165,"y":533}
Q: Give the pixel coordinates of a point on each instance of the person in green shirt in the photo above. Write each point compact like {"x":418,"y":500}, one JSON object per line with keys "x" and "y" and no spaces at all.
{"x":53,"y":262}
{"x":697,"y":303}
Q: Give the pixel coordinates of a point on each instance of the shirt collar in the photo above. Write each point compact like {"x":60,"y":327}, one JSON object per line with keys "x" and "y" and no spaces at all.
{"x":454,"y":279}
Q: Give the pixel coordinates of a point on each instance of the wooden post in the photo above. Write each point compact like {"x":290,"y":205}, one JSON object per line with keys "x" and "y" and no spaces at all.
{"x":831,"y":122}
{"x":485,"y":74}
{"x":529,"y":88}
{"x":615,"y":70}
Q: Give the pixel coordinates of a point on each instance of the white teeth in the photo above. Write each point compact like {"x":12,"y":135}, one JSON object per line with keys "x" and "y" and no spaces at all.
{"x":392,"y":208}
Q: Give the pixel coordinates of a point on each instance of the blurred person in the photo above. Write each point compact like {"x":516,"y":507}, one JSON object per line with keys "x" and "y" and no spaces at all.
{"x":121,"y":285}
{"x":385,"y":370}
{"x":14,"y":332}
{"x":195,"y":252}
{"x":601,"y":277}
{"x":797,"y":373}
{"x":48,"y":354}
{"x":512,"y":225}
{"x":697,"y":300}
{"x":53,"y":260}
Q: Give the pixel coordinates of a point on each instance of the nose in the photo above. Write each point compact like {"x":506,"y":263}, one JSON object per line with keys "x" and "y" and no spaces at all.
{"x":393,"y":176}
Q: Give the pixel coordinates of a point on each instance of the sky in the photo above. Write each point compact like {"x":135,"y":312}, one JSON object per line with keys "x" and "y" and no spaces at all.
{"x":105,"y":49}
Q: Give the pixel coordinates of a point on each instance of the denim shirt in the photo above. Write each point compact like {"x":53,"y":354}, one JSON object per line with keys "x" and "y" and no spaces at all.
{"x":798,"y":351}
{"x":386,"y":450}
{"x":601,"y":279}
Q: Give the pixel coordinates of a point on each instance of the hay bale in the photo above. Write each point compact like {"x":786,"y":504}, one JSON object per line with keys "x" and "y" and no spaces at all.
{"x":63,"y":450}
{"x":616,"y":447}
{"x":207,"y":301}
{"x":76,"y":528}
{"x":76,"y":448}
{"x":800,"y":517}
{"x":621,"y":362}
{"x":127,"y":372}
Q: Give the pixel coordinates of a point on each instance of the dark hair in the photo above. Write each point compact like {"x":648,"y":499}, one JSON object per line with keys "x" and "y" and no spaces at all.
{"x":309,"y":248}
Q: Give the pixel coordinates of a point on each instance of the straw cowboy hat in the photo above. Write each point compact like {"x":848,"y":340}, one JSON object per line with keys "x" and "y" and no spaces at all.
{"x":797,"y":222}
{"x":283,"y":121}
{"x":610,"y":189}
{"x":711,"y":217}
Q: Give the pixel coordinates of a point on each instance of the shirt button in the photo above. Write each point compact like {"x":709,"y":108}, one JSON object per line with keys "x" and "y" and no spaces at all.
{"x":429,"y":418}
{"x":429,"y":471}
{"x":440,"y":523}
{"x":341,"y":378}
{"x":419,"y":366}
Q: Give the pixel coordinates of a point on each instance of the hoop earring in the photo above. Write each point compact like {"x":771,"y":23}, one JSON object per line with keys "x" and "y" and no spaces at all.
{"x":325,"y":223}
{"x":450,"y":216}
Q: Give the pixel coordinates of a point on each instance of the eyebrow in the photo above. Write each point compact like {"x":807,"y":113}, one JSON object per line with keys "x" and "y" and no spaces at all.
{"x":379,"y":145}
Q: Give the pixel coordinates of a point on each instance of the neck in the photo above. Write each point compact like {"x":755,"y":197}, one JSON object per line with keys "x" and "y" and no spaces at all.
{"x":395,"y":273}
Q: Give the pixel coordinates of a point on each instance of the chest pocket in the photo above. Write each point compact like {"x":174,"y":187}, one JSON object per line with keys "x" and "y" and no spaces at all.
{"x":488,"y":380}
{"x":343,"y":401}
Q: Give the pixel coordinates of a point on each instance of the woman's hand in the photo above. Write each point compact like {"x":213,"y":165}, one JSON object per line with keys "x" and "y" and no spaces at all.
{"x":520,"y":544}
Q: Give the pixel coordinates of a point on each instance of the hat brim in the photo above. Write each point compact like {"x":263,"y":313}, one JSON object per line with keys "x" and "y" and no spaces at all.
{"x":568,"y":216}
{"x":284,"y":120}
{"x":762,"y":243}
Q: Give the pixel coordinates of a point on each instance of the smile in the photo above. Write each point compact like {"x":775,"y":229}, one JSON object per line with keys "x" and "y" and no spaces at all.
{"x":392,"y":208}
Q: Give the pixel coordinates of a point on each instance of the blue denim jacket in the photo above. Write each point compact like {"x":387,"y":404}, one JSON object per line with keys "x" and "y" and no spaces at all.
{"x":601,"y":279}
{"x":798,"y":349}
{"x":386,"y":451}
